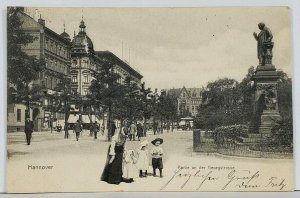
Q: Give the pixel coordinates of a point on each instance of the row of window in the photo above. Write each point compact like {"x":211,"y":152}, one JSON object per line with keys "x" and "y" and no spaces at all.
{"x":85,"y":91}
{"x":56,"y":65}
{"x":56,"y":48}
{"x":50,"y":82}
{"x":196,"y":102}
{"x":84,"y":63}
{"x":85,"y":79}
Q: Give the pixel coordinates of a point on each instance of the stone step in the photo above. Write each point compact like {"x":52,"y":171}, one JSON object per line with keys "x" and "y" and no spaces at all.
{"x":249,"y":140}
{"x":254,"y":135}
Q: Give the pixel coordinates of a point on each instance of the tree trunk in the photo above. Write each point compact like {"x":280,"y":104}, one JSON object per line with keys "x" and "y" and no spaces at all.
{"x":109,"y":134}
{"x":161,"y":126}
{"x":66,"y":128}
{"x":27,"y":102}
{"x":144,"y":126}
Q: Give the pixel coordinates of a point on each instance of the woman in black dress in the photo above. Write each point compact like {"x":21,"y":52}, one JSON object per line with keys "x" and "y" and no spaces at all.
{"x":112,"y":172}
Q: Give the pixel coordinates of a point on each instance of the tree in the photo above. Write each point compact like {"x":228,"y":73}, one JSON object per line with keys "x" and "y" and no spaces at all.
{"x":106,"y":90}
{"x":22,"y":69}
{"x":65,"y":98}
{"x":221,"y":104}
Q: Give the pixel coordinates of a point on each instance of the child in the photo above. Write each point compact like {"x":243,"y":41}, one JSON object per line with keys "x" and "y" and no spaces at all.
{"x":129,"y":169}
{"x":143,"y":159}
{"x":157,"y":153}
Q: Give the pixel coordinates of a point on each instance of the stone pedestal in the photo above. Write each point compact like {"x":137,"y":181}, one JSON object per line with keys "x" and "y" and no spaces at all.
{"x":265,"y":103}
{"x":268,"y":119}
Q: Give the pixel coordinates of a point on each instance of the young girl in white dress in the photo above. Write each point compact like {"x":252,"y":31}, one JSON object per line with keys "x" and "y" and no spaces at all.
{"x":143,"y":159}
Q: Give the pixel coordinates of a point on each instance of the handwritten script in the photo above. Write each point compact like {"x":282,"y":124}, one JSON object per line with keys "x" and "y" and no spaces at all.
{"x":222,"y":178}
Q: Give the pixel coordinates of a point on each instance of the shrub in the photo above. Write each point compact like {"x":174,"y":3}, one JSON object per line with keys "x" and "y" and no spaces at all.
{"x":230,"y":132}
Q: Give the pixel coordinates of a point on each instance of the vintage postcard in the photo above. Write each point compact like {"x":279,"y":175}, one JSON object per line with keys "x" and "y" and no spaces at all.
{"x":149,"y":99}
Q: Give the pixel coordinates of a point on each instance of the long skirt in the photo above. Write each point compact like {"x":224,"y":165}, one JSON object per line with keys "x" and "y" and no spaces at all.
{"x":112,"y":173}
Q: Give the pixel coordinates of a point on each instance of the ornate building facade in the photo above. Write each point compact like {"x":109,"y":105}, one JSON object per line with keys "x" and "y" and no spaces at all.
{"x":55,"y":49}
{"x":188,"y":100}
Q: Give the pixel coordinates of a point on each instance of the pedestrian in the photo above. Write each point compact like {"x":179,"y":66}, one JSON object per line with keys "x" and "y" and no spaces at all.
{"x":157,"y":153}
{"x":139,"y":131}
{"x":129,"y":168}
{"x":66,"y":129}
{"x":132,"y":131}
{"x":143,"y":159}
{"x":28,"y":129}
{"x":59,"y":128}
{"x":77,"y":129}
{"x":113,"y":171}
{"x":113,"y":128}
{"x":95,"y":129}
{"x":102,"y":129}
{"x":154,"y":127}
{"x":91,"y":129}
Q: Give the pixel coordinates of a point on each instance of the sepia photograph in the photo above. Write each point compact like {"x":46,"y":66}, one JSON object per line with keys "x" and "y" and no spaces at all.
{"x":149,"y":99}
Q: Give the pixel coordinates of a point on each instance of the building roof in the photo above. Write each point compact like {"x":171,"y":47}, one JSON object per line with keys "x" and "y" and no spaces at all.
{"x":192,"y":92}
{"x":47,"y":30}
{"x":80,"y":39}
{"x":107,"y":54}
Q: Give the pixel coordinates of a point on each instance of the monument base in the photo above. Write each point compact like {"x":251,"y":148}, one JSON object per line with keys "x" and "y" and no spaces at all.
{"x":268,"y":120}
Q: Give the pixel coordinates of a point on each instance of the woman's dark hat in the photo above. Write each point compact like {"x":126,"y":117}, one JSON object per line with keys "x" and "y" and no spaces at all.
{"x":157,"y":140}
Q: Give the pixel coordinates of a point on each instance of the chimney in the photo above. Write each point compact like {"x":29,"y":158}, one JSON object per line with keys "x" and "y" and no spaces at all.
{"x":41,"y":21}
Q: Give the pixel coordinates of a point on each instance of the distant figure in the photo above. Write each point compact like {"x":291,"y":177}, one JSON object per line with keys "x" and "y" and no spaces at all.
{"x":95,"y":129}
{"x":77,"y":129}
{"x":139,"y":131}
{"x":102,"y":129}
{"x":132,"y":131}
{"x":59,"y":128}
{"x":28,"y":129}
{"x":113,"y":128}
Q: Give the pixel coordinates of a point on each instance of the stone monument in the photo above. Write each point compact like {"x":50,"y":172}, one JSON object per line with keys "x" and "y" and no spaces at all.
{"x":265,"y":105}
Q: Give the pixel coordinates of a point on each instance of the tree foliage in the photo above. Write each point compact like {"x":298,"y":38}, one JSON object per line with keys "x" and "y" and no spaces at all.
{"x":22,"y":69}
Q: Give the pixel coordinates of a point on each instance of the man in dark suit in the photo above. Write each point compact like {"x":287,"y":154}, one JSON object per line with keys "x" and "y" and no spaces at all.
{"x":28,"y":129}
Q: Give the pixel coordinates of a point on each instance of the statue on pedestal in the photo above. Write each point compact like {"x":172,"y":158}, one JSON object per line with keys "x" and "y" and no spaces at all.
{"x":264,"y":45}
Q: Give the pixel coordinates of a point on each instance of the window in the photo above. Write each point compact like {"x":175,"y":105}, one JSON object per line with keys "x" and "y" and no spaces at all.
{"x":50,"y":83}
{"x":85,"y":92}
{"x":74,"y":62}
{"x":86,"y":78}
{"x":84,"y":63}
{"x":18,"y":115}
{"x":47,"y":44}
{"x":74,"y":90}
{"x":74,"y":79}
{"x":183,"y":95}
{"x":45,"y":83}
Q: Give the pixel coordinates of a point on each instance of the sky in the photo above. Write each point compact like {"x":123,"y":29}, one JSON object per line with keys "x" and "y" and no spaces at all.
{"x":176,"y":47}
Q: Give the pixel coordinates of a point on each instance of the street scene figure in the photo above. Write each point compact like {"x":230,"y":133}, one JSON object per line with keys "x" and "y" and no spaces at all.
{"x":143,"y":159}
{"x":28,"y":130}
{"x":113,"y":127}
{"x":95,"y":129}
{"x":129,"y":168}
{"x":77,"y":129}
{"x":140,"y":131}
{"x":156,"y":154}
{"x":102,"y":128}
{"x":113,"y":172}
{"x":132,"y":131}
